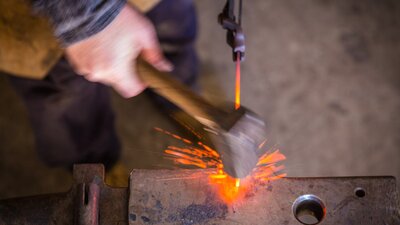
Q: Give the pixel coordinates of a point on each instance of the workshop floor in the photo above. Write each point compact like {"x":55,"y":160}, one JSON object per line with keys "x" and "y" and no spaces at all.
{"x":325,"y":75}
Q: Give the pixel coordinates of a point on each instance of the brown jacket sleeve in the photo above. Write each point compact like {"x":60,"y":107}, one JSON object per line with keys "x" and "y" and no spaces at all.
{"x":28,"y":47}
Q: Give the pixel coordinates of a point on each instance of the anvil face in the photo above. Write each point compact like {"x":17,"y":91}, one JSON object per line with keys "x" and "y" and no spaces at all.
{"x":186,"y":197}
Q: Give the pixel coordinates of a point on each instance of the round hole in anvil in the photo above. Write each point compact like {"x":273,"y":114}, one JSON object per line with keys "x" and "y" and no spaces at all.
{"x":309,"y":209}
{"x":359,"y":192}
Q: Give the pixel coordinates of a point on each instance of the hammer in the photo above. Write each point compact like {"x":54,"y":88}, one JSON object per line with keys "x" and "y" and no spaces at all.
{"x":236,"y":134}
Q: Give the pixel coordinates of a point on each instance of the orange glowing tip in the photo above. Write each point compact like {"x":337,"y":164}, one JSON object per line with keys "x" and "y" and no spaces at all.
{"x":237,"y":182}
{"x":237,"y":87}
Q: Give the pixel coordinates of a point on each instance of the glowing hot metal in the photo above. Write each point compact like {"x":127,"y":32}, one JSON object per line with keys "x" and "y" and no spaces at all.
{"x":229,"y":189}
{"x":237,"y":86}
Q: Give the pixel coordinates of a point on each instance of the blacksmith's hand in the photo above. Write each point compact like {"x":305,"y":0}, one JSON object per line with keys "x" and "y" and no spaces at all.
{"x":109,"y":56}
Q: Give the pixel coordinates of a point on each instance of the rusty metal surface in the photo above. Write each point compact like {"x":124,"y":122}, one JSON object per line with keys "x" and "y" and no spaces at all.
{"x":87,"y":204}
{"x":70,"y":207}
{"x":184,"y":197}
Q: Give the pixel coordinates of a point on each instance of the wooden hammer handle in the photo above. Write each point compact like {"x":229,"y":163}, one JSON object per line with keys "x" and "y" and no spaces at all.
{"x":165,"y":85}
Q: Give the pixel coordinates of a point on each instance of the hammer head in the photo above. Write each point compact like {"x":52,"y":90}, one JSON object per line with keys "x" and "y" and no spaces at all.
{"x":238,"y":140}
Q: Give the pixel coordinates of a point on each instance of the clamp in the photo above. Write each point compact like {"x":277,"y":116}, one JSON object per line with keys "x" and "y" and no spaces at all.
{"x":234,"y":36}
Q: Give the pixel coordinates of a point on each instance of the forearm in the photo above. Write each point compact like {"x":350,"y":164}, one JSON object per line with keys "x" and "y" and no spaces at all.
{"x":75,"y":20}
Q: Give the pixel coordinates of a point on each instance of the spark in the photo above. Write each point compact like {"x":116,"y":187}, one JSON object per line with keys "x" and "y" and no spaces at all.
{"x":173,"y":135}
{"x":237,"y":182}
{"x":229,"y":189}
{"x":262,"y":144}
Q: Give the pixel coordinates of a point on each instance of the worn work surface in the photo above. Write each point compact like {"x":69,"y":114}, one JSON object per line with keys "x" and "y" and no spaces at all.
{"x":185,"y":197}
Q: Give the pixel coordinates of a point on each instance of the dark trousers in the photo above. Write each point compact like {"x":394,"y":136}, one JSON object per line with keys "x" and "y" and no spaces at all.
{"x":72,"y":118}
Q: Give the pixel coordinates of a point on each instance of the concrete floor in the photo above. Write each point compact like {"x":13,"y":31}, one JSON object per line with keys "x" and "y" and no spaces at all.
{"x":325,"y":75}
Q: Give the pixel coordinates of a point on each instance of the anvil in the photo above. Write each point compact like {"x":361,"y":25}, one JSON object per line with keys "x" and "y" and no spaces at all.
{"x":185,"y":197}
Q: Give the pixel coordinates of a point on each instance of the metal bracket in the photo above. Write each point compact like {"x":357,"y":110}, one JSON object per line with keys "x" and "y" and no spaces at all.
{"x":234,"y":35}
{"x":89,"y":202}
